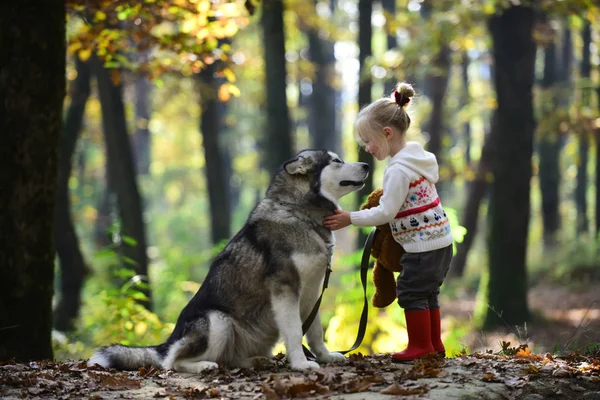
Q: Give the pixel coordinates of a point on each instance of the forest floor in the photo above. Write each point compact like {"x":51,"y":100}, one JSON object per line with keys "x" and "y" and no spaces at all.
{"x":566,"y":319}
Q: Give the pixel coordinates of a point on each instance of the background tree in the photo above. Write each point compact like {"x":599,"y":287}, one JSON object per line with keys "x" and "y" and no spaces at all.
{"x":131,"y":238}
{"x":72,"y":263}
{"x":218,"y":172}
{"x":514,"y":57}
{"x":583,"y":133}
{"x":32,"y":86}
{"x":365,"y":83}
{"x":323,"y":119}
{"x":277,"y":143}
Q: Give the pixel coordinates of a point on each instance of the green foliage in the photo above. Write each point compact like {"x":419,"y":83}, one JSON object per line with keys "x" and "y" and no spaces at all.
{"x":113,"y":315}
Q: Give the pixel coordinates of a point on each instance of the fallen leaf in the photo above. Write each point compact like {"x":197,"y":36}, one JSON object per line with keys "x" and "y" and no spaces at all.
{"x":396,"y":389}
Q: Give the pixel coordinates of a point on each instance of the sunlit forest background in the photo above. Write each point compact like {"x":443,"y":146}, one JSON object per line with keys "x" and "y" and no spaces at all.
{"x":179,"y":111}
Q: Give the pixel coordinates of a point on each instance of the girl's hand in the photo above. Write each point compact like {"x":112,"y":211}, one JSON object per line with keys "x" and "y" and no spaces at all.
{"x":340,"y":220}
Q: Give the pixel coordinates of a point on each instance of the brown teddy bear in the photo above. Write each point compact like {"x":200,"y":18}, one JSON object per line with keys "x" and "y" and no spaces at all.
{"x":387,"y":253}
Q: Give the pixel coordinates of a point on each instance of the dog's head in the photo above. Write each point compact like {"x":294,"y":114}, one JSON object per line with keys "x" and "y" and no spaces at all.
{"x":327,"y":174}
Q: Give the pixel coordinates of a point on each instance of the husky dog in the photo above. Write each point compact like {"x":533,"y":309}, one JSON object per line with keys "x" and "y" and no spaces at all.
{"x":264,"y":283}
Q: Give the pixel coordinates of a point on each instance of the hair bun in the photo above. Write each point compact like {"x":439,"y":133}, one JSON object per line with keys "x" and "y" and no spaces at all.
{"x":403,"y":94}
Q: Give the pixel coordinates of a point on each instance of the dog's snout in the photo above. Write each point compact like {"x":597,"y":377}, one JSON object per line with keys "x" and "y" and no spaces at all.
{"x":365,"y":166}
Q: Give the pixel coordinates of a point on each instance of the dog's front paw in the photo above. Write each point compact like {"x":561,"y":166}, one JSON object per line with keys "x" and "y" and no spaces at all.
{"x":304,"y":365}
{"x":332,"y":358}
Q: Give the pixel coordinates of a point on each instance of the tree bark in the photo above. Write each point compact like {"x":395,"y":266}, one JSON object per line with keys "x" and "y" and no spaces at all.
{"x":141,"y":138}
{"x":557,"y":74}
{"x":514,"y":56}
{"x":464,"y":73}
{"x":470,"y":216}
{"x":389,"y":6}
{"x":365,"y":84}
{"x":584,"y":142}
{"x":72,"y":264}
{"x":548,"y":150}
{"x":322,"y":121}
{"x":122,"y":174}
{"x":277,"y":143}
{"x":32,"y":89}
{"x":216,"y":171}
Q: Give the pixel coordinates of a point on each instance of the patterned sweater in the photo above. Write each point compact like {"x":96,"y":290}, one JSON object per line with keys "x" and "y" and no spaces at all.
{"x":410,"y":203}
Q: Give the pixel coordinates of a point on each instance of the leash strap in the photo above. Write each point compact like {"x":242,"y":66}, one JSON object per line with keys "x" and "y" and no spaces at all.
{"x":362,"y":326}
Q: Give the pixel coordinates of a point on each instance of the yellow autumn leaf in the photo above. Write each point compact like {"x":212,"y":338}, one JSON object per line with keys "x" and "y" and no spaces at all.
{"x":224,"y":94}
{"x":234,"y":90}
{"x":73,"y":47}
{"x":100,"y":16}
{"x":140,"y":328}
{"x":84,"y":54}
{"x":229,"y":75}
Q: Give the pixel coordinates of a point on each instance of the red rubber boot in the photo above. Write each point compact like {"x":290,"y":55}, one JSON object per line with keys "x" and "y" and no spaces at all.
{"x":418,"y":325}
{"x":436,"y":332}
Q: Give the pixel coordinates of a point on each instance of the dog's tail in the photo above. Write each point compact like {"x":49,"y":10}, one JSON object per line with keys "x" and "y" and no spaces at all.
{"x":126,"y":357}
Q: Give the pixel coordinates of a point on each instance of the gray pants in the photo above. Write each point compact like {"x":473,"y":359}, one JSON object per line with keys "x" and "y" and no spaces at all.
{"x":418,"y":286}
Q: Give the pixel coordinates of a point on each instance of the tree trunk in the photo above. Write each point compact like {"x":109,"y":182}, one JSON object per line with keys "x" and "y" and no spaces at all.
{"x":514,"y":56}
{"x":470,"y":215}
{"x":121,"y":173}
{"x":557,"y":74}
{"x":584,"y":142}
{"x":217,"y":177}
{"x":365,"y":34}
{"x":389,"y":6}
{"x":72,"y":264}
{"x":277,"y":143}
{"x":438,"y":85}
{"x":322,"y":121}
{"x":435,"y":86}
{"x":141,"y":138}
{"x":32,"y":89}
{"x":464,"y":69}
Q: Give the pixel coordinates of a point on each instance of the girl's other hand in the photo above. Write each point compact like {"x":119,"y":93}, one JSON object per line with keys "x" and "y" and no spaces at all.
{"x":339,"y":220}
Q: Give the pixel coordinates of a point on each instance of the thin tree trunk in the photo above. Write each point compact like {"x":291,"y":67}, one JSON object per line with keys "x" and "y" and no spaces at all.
{"x":514,"y":56}
{"x":582,"y":175}
{"x":464,"y":69}
{"x":322,"y":121}
{"x":105,"y":207}
{"x":365,"y":34}
{"x":435,"y":86}
{"x":122,"y":173}
{"x":277,"y":143}
{"x":597,"y":166}
{"x":72,"y":264}
{"x":217,"y":177}
{"x":438,"y":85}
{"x":32,"y":89}
{"x":548,"y":150}
{"x":389,"y":6}
{"x":141,"y":138}
{"x":470,"y":215}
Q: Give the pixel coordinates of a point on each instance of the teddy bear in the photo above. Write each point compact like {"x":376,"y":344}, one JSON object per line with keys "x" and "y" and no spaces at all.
{"x":387,"y":253}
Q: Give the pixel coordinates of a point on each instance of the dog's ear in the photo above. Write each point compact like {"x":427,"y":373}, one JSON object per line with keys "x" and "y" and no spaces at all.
{"x":298,"y":166}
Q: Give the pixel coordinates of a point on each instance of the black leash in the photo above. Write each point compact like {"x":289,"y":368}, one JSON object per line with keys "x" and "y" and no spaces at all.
{"x":362,"y":326}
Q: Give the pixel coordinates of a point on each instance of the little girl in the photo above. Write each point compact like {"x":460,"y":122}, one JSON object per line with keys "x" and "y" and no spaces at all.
{"x":410,"y":204}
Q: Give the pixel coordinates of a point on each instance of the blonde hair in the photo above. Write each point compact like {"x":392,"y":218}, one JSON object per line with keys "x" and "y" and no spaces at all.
{"x":387,"y":111}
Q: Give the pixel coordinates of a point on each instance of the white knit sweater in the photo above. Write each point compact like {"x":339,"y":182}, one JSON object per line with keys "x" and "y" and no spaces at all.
{"x":410,"y":203}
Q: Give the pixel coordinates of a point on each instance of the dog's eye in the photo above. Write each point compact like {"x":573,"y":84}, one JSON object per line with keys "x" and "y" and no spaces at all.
{"x":337,"y":160}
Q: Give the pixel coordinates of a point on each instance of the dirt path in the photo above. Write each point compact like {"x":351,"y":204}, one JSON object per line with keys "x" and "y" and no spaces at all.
{"x":564,"y":319}
{"x":479,"y":376}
